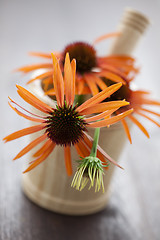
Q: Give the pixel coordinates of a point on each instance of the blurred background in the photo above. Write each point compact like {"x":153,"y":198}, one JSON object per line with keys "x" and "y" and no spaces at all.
{"x":134,"y":208}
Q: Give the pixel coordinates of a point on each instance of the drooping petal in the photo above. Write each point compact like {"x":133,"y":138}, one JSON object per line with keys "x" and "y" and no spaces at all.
{"x":99,"y":97}
{"x":126,"y":128}
{"x":149,"y":111}
{"x":101,"y":150}
{"x":147,"y":117}
{"x":41,"y":158}
{"x":24,"y":132}
{"x":100,"y":83}
{"x":79,"y":151}
{"x":36,"y":115}
{"x":84,"y":149}
{"x":67,"y":157}
{"x":110,"y":121}
{"x":30,"y":146}
{"x":80,"y":86}
{"x":134,"y":120}
{"x":43,"y":148}
{"x":91,"y":83}
{"x":26,"y":116}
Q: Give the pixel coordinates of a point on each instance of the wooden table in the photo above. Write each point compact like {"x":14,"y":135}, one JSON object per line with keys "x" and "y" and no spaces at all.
{"x":133,"y":211}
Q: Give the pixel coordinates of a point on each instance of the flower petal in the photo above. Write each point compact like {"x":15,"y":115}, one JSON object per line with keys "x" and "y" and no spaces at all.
{"x":126,"y":128}
{"x":68,"y":78}
{"x":99,"y":97}
{"x":67,"y":157}
{"x":134,"y":120}
{"x":58,"y":82}
{"x":101,"y":107}
{"x":105,"y":36}
{"x":30,"y":146}
{"x":41,"y":158}
{"x":24,"y":132}
{"x":34,"y":101}
{"x":110,"y":121}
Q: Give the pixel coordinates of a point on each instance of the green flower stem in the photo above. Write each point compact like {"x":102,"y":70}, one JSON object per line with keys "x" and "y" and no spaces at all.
{"x":95,"y":142}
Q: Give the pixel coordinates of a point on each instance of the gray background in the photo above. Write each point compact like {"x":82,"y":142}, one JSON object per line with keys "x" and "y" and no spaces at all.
{"x":134,"y":208}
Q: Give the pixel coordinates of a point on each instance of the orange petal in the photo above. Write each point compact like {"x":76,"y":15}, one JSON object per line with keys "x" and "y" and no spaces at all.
{"x":41,"y":76}
{"x":89,"y":143}
{"x":68,"y":78}
{"x":79,"y":151}
{"x":99,"y":82}
{"x":43,"y":148}
{"x":134,"y":120}
{"x":111,"y":76}
{"x":84,"y":148}
{"x":147,"y":117}
{"x":112,"y":69}
{"x":34,"y":101}
{"x":41,"y":158}
{"x":80,"y":85}
{"x":44,"y":55}
{"x":30,"y":146}
{"x":67,"y":157}
{"x":127,"y":131}
{"x":25,"y":116}
{"x":99,"y":97}
{"x":24,"y":132}
{"x":100,"y":116}
{"x":58,"y":82}
{"x":51,"y":92}
{"x":150,"y":102}
{"x":101,"y":107}
{"x":36,"y":115}
{"x":73,"y":66}
{"x":103,"y":37}
{"x":149,"y":111}
{"x":91,"y":83}
{"x":101,"y":150}
{"x":111,"y":120}
{"x":33,"y":67}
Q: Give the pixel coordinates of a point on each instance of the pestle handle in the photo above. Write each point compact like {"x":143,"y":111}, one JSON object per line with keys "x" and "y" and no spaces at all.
{"x":132,"y":27}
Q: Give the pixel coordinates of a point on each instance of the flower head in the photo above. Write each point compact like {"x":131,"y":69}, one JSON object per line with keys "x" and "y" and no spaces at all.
{"x":90,"y":67}
{"x":90,"y":169}
{"x":138,"y":99}
{"x":66,"y":123}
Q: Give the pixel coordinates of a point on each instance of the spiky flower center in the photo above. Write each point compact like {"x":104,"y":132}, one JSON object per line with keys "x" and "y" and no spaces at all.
{"x":65,"y":126}
{"x":84,"y":54}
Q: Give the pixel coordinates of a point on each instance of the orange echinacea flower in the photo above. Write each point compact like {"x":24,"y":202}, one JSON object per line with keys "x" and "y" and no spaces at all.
{"x":90,"y":67}
{"x":66,"y":123}
{"x":138,"y":99}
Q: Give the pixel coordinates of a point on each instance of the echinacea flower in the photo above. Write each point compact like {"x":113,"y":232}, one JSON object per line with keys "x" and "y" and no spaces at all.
{"x":90,"y":169}
{"x":139,"y":102}
{"x":90,"y":67}
{"x":66,"y":123}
